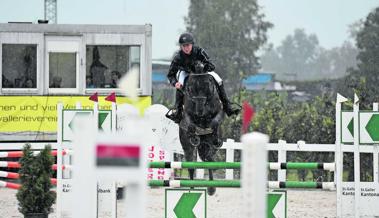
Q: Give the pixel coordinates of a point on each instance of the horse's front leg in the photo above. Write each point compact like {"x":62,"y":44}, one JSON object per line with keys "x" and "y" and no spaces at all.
{"x":211,"y":190}
{"x":189,"y":151}
{"x":210,"y":158}
{"x":210,"y":174}
{"x":191,"y":173}
{"x":190,"y":157}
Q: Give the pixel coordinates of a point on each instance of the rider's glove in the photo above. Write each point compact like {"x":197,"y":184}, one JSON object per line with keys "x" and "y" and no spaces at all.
{"x":207,"y":68}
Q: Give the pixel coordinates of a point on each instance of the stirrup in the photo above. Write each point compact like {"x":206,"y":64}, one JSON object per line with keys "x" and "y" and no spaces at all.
{"x":175,"y":115}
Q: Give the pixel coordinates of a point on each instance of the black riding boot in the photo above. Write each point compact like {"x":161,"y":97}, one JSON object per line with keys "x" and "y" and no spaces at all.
{"x":228,"y":109}
{"x":177,"y":113}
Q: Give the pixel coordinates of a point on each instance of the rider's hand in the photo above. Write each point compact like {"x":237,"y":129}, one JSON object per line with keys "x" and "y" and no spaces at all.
{"x":178,"y":85}
{"x":207,"y":68}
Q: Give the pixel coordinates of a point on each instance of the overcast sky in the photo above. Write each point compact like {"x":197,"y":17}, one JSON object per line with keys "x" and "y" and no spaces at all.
{"x":328,"y":19}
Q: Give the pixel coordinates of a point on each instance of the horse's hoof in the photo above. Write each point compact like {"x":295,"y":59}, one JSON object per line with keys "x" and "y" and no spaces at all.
{"x":211,"y":191}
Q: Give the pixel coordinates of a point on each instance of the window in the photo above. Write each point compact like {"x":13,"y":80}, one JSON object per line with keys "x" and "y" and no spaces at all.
{"x":62,"y":70}
{"x":19,"y":66}
{"x":106,"y":64}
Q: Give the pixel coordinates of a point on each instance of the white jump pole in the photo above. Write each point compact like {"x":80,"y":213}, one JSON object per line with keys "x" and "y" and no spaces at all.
{"x":338,"y":155}
{"x":254,"y":174}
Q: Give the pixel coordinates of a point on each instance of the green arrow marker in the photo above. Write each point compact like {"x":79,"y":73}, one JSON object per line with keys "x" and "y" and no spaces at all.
{"x":77,"y":114}
{"x":372,"y":127}
{"x":272,"y":201}
{"x":350,"y":127}
{"x":185,"y":205}
{"x":102,"y":117}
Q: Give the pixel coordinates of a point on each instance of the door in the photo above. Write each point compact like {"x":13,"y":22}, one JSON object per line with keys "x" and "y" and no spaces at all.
{"x":62,"y":64}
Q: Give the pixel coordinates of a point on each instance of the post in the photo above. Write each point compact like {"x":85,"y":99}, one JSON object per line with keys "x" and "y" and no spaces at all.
{"x":375,"y":154}
{"x":59,"y":160}
{"x":229,"y":173}
{"x":357,"y":162}
{"x":199,"y":172}
{"x":282,"y":158}
{"x":114,"y":183}
{"x":254,"y":174}
{"x":338,"y":156}
{"x":114,"y":117}
{"x":84,"y":180}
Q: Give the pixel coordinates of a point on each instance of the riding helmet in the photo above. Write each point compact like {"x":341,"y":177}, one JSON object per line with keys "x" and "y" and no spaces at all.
{"x":186,"y":38}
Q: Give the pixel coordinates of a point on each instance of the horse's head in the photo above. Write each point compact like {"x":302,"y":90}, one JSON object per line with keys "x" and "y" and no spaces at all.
{"x":200,"y":90}
{"x":199,"y":68}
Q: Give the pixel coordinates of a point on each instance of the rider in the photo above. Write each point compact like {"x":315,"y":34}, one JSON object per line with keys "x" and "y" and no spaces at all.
{"x":183,"y":64}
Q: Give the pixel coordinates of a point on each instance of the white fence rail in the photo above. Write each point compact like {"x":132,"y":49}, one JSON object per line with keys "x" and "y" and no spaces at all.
{"x":282,"y":147}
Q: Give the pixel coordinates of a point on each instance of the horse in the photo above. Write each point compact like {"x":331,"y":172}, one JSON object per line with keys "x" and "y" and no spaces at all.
{"x":199,"y":129}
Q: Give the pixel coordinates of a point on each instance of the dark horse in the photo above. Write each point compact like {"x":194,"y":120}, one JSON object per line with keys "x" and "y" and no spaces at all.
{"x":202,"y":116}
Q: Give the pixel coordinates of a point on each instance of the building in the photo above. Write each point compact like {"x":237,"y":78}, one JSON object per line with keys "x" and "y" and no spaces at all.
{"x":265,"y":81}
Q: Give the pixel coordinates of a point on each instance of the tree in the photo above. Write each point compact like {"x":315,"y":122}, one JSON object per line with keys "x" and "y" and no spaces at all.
{"x":232,"y":32}
{"x":300,"y":57}
{"x":341,"y":59}
{"x":271,"y":117}
{"x":35,"y":197}
{"x":295,"y":55}
{"x":365,"y":78}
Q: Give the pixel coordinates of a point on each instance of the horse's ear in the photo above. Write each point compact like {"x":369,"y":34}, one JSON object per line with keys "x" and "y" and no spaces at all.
{"x":199,"y":67}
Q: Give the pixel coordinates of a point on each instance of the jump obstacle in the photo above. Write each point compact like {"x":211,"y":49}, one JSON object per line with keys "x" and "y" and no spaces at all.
{"x":16,"y":165}
{"x":338,"y":155}
{"x":237,"y":184}
{"x":237,"y":165}
{"x":353,"y":198}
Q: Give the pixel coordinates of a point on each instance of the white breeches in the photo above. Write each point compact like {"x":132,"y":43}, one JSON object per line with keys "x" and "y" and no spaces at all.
{"x":181,"y":76}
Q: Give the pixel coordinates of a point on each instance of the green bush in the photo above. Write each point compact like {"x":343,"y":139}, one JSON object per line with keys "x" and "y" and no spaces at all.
{"x":35,"y":195}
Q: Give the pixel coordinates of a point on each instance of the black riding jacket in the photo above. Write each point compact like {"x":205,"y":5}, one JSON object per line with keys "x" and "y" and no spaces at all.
{"x":186,"y":63}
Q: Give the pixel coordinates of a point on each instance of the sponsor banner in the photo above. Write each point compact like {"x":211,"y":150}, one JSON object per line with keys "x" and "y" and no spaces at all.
{"x":185,"y":203}
{"x":39,"y":113}
{"x":156,"y":153}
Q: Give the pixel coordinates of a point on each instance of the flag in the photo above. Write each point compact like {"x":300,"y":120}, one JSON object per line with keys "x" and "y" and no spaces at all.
{"x":129,"y":84}
{"x":118,"y":155}
{"x":111,"y":97}
{"x":94,"y":97}
{"x":340,"y":98}
{"x":247,"y":115}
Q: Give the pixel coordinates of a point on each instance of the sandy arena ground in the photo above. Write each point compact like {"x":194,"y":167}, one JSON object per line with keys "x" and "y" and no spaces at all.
{"x":225,"y":204}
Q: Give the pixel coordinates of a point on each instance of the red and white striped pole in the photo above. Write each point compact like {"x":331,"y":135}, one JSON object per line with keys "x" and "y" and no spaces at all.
{"x":12,"y":164}
{"x":11,"y":175}
{"x":9,"y":185}
{"x":19,"y":153}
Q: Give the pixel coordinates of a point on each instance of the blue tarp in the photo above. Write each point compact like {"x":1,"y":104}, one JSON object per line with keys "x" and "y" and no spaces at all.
{"x":159,"y":76}
{"x":258,"y":79}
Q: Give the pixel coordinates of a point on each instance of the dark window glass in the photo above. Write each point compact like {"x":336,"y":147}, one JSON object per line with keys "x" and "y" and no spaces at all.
{"x":106,"y":64}
{"x":19,"y":66}
{"x":62,"y":70}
